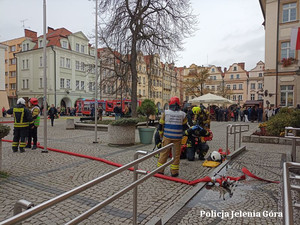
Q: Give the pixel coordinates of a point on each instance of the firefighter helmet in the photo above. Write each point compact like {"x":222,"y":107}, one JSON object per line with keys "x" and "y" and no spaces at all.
{"x":196,"y":110}
{"x":174,"y":100}
{"x":21,"y":101}
{"x":33,"y":101}
{"x":215,"y":156}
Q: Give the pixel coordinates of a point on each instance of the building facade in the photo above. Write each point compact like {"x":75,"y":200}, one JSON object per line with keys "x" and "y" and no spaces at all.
{"x":3,"y":93}
{"x":255,"y":85}
{"x":282,"y":73}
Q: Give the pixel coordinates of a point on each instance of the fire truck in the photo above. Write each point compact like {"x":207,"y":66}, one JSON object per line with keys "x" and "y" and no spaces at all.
{"x":84,"y":106}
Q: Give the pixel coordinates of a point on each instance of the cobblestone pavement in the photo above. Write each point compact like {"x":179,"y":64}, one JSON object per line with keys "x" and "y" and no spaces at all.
{"x":38,"y":177}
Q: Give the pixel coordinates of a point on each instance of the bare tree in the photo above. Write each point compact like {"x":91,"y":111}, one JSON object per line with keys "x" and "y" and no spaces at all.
{"x":146,"y":26}
{"x":194,"y":85}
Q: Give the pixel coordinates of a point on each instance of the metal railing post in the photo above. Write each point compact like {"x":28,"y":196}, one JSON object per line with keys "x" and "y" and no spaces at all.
{"x":294,"y":138}
{"x":234,"y":137}
{"x":135,"y":190}
{"x":240,"y":135}
{"x":287,"y":201}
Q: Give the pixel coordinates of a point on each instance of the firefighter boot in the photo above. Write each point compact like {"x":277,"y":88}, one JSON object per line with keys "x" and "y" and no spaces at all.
{"x":34,"y":147}
{"x":22,"y":150}
{"x":28,"y":146}
{"x":15,"y":149}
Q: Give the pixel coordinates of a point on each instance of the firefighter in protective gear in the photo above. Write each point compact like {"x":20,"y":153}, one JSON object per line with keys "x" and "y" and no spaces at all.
{"x":194,"y":144}
{"x":22,"y":118}
{"x":171,"y":126}
{"x":35,"y":112}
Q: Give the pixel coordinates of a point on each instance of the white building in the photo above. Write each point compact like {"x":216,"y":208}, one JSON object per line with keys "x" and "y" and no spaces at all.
{"x":70,"y":68}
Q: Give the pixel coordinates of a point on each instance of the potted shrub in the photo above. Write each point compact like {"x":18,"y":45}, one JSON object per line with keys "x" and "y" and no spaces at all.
{"x":4,"y":130}
{"x":122,"y":131}
{"x":147,"y":108}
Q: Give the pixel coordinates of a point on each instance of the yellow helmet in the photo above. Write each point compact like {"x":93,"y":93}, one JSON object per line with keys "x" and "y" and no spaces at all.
{"x":196,"y":110}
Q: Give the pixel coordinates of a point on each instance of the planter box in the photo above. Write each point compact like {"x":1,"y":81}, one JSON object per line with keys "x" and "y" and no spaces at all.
{"x":146,"y":134}
{"x":121,"y":135}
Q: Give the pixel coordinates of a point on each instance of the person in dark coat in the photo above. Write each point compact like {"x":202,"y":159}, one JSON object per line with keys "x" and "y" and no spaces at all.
{"x":52,"y":114}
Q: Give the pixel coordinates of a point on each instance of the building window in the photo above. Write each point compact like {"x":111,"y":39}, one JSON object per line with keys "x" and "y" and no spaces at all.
{"x":286,"y":51}
{"x":144,"y":93}
{"x":90,"y":86}
{"x":62,"y":82}
{"x":212,"y":70}
{"x":252,"y":85}
{"x":82,"y":85}
{"x":260,"y":75}
{"x":77,"y":84}
{"x":240,"y":97}
{"x":144,"y":80}
{"x":68,"y":83}
{"x":286,"y":95}
{"x":13,"y":86}
{"x":289,"y":12}
{"x":234,"y":68}
{"x":41,"y":44}
{"x":82,"y":66}
{"x":13,"y":74}
{"x":68,"y":63}
{"x":234,"y":87}
{"x":41,"y":83}
{"x":260,"y":97}
{"x":240,"y":86}
{"x":65,"y":44}
{"x":260,"y":85}
{"x":13,"y":61}
{"x":252,"y":97}
{"x":77,"y":47}
{"x":82,"y":48}
{"x":13,"y":48}
{"x":234,"y":97}
{"x":62,"y":62}
{"x":228,"y":86}
{"x":237,"y":76}
{"x":25,"y":64}
{"x":25,"y":84}
{"x":231,"y":77}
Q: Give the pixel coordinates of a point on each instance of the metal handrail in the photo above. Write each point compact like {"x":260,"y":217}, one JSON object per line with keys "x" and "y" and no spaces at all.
{"x":34,"y":210}
{"x":231,"y":129}
{"x":287,"y":195}
{"x":294,"y":138}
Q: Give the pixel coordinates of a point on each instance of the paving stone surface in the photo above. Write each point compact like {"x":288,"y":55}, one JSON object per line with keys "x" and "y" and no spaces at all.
{"x":38,"y":177}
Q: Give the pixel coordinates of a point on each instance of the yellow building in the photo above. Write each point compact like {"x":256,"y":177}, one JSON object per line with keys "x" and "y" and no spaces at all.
{"x":14,"y":46}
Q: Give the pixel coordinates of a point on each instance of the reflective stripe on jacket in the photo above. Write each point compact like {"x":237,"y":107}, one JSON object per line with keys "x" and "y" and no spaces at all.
{"x":19,"y":117}
{"x":173,"y":122}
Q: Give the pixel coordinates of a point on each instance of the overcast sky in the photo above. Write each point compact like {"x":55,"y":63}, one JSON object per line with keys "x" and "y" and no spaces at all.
{"x":229,"y":31}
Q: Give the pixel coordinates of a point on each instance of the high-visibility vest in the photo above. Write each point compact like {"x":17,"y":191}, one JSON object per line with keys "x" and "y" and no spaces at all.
{"x":18,"y":121}
{"x":173,"y":122}
{"x":35,"y":111}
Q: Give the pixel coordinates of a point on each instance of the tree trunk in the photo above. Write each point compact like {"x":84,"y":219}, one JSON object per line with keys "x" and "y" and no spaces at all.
{"x":134,"y":79}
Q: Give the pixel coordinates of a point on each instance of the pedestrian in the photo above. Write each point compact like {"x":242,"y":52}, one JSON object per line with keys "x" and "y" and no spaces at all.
{"x":242,"y":114}
{"x":22,"y":119}
{"x":52,"y":114}
{"x":246,"y":113}
{"x":3,"y":111}
{"x":35,"y":113}
{"x":171,"y":126}
{"x":117,"y":111}
{"x":100,"y":112}
{"x":259,"y":114}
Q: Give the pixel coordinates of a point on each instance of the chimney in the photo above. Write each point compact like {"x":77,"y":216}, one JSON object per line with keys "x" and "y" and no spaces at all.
{"x":30,"y":34}
{"x":50,"y":29}
{"x":242,"y":65}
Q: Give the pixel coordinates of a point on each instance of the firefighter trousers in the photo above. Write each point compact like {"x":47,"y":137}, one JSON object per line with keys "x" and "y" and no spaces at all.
{"x":32,"y":134}
{"x":163,"y":156}
{"x":20,"y":134}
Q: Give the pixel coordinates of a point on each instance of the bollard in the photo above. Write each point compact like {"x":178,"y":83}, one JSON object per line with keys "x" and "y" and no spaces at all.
{"x":70,"y":124}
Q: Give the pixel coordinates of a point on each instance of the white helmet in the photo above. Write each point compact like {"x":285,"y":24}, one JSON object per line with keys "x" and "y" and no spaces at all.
{"x":215,"y":156}
{"x":21,"y":101}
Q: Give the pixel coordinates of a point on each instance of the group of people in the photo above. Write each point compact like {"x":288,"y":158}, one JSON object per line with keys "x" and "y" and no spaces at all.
{"x":175,"y":123}
{"x":26,"y":123}
{"x":243,"y":114}
{"x":121,"y":113}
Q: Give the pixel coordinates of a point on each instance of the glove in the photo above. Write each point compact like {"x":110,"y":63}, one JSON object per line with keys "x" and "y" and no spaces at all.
{"x":196,"y":127}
